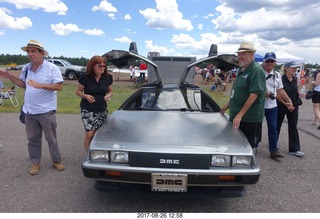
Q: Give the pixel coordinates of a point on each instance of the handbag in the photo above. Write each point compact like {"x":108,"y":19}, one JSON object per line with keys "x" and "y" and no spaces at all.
{"x":22,"y":116}
{"x":309,"y":94}
{"x":299,"y":101}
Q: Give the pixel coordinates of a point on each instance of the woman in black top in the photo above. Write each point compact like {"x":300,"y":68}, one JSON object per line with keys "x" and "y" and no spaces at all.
{"x":290,"y":85}
{"x":95,"y":91}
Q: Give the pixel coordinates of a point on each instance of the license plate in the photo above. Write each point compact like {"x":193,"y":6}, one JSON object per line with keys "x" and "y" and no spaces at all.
{"x":162,"y":182}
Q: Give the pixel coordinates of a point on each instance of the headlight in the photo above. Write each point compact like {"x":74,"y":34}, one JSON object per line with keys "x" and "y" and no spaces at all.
{"x":241,"y":161}
{"x":218,"y":160}
{"x":96,"y":155}
{"x":119,"y":157}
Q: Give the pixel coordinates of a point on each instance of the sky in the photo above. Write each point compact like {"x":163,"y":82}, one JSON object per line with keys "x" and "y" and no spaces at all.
{"x":84,"y":28}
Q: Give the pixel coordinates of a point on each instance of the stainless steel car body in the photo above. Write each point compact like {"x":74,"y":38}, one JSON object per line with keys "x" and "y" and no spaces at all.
{"x":171,"y":134}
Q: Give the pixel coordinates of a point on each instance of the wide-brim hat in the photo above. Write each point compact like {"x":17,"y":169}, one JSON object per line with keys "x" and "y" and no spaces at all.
{"x":35,"y":44}
{"x":246,"y":47}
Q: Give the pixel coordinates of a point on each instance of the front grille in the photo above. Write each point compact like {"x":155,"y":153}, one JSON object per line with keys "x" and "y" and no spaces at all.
{"x":160,"y":160}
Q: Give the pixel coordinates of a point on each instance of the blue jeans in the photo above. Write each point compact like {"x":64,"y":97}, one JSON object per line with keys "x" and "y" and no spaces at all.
{"x":272,"y":117}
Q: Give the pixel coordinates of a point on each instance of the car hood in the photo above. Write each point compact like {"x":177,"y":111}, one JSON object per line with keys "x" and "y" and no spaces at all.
{"x":176,"y":132}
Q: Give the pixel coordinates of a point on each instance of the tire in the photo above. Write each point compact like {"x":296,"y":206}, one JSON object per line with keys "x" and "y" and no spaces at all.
{"x":71,"y":75}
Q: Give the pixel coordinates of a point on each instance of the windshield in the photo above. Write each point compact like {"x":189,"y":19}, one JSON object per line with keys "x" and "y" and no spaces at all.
{"x":66,"y":63}
{"x":180,"y":99}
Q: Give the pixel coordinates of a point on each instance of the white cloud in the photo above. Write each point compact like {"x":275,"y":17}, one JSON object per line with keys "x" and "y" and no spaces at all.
{"x":104,"y":6}
{"x":276,"y":19}
{"x":112,"y":16}
{"x":127,"y":17}
{"x":292,"y":26}
{"x":63,"y":30}
{"x":130,"y":31}
{"x":83,"y":51}
{"x":123,"y":39}
{"x":166,"y":16}
{"x":52,"y":6}
{"x":7,"y":21}
{"x":154,"y":48}
{"x":94,"y":32}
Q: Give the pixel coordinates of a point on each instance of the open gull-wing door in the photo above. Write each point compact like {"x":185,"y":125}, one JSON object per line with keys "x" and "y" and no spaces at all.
{"x":225,"y":62}
{"x":121,"y":58}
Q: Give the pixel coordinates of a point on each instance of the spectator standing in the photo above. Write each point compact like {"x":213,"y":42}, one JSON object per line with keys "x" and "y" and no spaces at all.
{"x":316,"y":72}
{"x":274,"y":88}
{"x":290,"y":85}
{"x":95,"y":90}
{"x":132,"y":72}
{"x":247,"y":96}
{"x":1,"y":86}
{"x":41,"y":80}
{"x":307,"y":75}
{"x":143,"y":68}
{"x":316,"y":100}
{"x":224,"y":78}
{"x":208,"y":76}
{"x":1,"y":90}
{"x":203,"y":75}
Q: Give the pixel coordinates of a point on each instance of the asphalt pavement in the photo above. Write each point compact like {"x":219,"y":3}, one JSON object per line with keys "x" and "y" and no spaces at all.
{"x":290,"y":185}
{"x":306,"y":117}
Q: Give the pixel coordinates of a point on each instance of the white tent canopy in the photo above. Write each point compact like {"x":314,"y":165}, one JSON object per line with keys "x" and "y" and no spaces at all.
{"x":283,"y":57}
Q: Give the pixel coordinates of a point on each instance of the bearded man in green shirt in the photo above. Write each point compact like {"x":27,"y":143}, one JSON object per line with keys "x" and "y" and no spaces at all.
{"x":246,"y":105}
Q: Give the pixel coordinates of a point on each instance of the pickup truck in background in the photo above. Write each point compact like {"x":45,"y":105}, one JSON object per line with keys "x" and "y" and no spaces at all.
{"x":68,"y":70}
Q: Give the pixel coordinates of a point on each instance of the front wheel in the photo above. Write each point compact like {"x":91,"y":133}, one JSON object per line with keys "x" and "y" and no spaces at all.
{"x":71,"y":76}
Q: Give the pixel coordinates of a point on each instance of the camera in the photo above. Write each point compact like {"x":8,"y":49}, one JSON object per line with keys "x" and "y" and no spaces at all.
{"x":272,"y":96}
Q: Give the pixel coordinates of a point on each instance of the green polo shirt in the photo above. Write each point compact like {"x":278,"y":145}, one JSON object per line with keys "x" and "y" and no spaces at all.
{"x":251,"y":80}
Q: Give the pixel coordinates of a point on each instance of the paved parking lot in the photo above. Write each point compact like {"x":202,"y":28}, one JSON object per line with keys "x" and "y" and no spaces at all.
{"x":291,"y":185}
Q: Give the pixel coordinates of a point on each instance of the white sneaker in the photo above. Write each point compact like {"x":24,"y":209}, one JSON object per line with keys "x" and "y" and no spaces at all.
{"x":297,"y":153}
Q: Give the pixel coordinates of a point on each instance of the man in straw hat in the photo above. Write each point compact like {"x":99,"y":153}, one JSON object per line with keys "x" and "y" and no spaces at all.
{"x":40,"y":79}
{"x":247,"y":96}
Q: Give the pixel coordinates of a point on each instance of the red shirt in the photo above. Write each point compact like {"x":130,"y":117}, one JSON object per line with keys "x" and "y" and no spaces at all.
{"x":143,"y":66}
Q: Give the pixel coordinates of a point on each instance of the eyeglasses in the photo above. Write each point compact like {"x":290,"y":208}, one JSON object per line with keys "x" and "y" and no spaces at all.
{"x":101,"y":66}
{"x":268,"y":61}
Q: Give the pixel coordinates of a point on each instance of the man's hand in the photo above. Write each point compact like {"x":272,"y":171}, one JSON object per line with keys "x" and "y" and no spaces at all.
{"x":34,"y":84}
{"x":236,"y":121}
{"x":4,"y":73}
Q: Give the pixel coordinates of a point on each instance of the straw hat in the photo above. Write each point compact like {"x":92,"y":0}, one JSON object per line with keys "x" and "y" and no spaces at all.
{"x":246,"y":47}
{"x":35,"y":44}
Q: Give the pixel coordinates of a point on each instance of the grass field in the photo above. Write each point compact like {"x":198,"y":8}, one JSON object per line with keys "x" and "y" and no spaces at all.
{"x":68,"y":101}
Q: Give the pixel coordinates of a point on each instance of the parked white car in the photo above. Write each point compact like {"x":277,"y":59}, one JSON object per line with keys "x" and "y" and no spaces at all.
{"x":68,"y":70}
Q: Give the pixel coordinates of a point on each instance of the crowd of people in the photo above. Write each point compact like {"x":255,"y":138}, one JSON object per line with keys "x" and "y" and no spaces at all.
{"x":218,"y":78}
{"x":257,"y":92}
{"x":261,"y":92}
{"x":141,"y":70}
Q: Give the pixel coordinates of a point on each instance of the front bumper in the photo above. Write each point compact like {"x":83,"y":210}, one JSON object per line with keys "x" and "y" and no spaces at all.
{"x":196,"y":177}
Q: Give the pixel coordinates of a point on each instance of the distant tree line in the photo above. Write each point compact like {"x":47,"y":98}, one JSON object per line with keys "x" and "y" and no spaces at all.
{"x":6,"y":59}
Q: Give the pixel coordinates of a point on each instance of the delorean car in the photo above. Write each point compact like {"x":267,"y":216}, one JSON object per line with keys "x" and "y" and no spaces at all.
{"x":171,"y":137}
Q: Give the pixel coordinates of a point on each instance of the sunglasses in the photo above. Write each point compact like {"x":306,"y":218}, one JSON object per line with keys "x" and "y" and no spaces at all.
{"x":101,"y":66}
{"x":268,"y":61}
